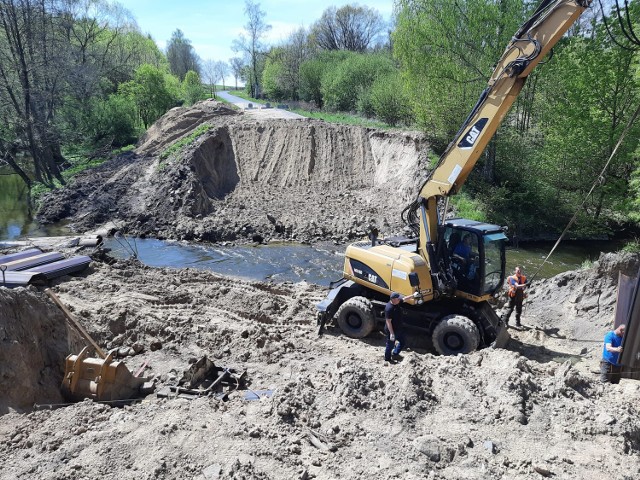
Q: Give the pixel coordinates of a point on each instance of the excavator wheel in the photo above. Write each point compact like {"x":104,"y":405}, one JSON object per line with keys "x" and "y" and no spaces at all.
{"x":355,"y":317}
{"x":455,"y":334}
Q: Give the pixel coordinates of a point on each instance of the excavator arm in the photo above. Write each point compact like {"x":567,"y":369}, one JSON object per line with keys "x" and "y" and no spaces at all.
{"x":526,"y":49}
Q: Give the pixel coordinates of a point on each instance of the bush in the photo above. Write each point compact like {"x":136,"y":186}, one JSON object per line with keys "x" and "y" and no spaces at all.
{"x":633,"y":246}
{"x":388,"y":100}
{"x":114,"y":118}
{"x":341,"y":83}
{"x":152,"y":91}
{"x":192,"y":88}
{"x":312,"y":71}
{"x":272,"y":83}
{"x":364,"y":104}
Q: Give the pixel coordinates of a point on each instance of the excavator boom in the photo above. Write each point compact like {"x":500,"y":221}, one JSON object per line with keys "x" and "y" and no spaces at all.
{"x":527,"y":48}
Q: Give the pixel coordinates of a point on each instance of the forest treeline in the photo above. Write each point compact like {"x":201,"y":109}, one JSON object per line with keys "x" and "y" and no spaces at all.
{"x":80,"y":74}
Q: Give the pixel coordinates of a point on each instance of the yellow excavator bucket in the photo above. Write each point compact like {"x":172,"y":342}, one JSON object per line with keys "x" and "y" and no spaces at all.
{"x":99,"y":379}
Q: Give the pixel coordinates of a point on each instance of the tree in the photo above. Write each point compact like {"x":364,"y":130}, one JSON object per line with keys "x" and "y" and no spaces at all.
{"x":311,"y":73}
{"x":114,"y":119}
{"x":447,"y":49}
{"x":282,"y":68}
{"x":61,"y":62}
{"x":388,"y":100}
{"x":344,"y":82}
{"x":586,"y":100}
{"x":150,"y":92}
{"x":210,"y":75}
{"x":237,"y":68}
{"x":24,"y":107}
{"x":192,"y":87}
{"x":250,"y":43}
{"x":35,"y":66}
{"x":351,"y":27}
{"x":181,"y":55}
{"x":272,"y":76}
{"x":222,"y":70}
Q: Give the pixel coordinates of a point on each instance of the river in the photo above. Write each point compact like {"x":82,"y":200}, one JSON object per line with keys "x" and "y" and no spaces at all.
{"x":276,"y":262}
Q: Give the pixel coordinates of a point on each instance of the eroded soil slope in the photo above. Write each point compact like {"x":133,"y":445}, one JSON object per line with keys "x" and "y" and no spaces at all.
{"x":246,"y":180}
{"x":534,"y":409}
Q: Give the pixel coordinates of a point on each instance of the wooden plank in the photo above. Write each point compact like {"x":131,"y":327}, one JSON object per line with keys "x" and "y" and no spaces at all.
{"x":75,"y":323}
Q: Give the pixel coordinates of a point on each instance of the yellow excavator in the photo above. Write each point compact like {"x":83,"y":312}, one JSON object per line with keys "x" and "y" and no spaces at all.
{"x":450,"y":268}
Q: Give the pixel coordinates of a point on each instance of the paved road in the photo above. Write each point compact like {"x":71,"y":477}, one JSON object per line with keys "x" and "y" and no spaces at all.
{"x":257,"y":111}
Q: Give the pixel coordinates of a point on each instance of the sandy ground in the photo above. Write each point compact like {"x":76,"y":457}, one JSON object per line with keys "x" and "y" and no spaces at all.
{"x":532,"y":409}
{"x":336,"y":409}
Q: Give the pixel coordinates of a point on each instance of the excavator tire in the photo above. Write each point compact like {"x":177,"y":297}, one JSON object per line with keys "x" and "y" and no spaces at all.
{"x":355,"y":317}
{"x":455,"y":334}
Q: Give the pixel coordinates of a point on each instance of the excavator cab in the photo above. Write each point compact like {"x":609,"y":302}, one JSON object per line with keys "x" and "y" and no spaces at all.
{"x":474,"y":253}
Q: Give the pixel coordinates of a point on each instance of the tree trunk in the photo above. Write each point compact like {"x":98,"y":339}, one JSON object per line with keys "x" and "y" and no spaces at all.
{"x":489,"y":169}
{"x":16,"y":168}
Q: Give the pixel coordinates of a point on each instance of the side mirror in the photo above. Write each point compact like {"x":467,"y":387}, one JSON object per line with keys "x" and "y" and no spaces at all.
{"x":414,"y":280}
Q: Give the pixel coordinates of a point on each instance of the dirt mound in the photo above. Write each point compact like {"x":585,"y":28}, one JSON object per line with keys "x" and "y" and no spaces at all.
{"x":333,"y":408}
{"x":177,"y":123}
{"x":582,"y":303}
{"x":35,"y":342}
{"x":246,"y":180}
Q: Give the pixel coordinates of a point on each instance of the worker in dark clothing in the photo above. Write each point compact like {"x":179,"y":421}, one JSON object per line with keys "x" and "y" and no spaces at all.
{"x":610,"y":369}
{"x":516,"y":284}
{"x":393,"y":326}
{"x":462,"y":250}
{"x":464,"y":261}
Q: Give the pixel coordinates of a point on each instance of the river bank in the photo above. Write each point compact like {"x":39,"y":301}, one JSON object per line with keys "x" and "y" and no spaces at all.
{"x":245,"y":181}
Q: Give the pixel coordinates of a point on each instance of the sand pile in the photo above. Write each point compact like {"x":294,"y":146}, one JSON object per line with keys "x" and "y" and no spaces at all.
{"x":247,"y":180}
{"x":34,"y":343}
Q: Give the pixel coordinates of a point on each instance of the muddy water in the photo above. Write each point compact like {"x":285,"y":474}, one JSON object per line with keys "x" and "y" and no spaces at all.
{"x":294,"y":262}
{"x":280,"y":262}
{"x":567,"y":256}
{"x":275,"y":262}
{"x":15,"y":218}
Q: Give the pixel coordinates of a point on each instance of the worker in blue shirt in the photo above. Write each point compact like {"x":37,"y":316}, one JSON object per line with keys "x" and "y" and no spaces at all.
{"x":465,"y":257}
{"x":462,"y":250}
{"x":610,"y":369}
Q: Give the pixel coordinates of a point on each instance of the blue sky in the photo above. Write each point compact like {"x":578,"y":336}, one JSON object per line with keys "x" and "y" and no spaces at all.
{"x":212,"y":25}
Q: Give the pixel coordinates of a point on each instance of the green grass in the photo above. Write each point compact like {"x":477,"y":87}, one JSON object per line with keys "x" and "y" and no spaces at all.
{"x":244,"y":95}
{"x":633,"y":246}
{"x":188,"y":140}
{"x":587,"y":264}
{"x":343,"y":118}
{"x":468,"y":208}
{"x":127,"y":148}
{"x":78,"y":163}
